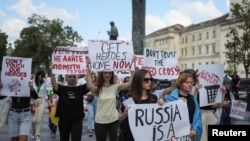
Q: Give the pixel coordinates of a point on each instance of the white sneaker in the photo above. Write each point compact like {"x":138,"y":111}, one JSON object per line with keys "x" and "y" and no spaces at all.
{"x":38,"y":138}
{"x":32,"y":136}
{"x":53,"y":135}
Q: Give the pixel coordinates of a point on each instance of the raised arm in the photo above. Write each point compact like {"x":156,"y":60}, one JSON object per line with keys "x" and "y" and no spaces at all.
{"x":89,"y":80}
{"x":53,"y":79}
{"x":127,"y":85}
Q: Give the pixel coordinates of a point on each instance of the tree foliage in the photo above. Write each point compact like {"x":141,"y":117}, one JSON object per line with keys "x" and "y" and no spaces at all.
{"x":238,"y":38}
{"x":39,"y":39}
{"x":3,"y":45}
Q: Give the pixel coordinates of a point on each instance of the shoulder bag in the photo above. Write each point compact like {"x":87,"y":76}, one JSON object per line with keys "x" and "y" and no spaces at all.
{"x":5,"y":112}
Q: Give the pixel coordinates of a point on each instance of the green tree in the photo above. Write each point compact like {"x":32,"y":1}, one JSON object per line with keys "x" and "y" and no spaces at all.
{"x":39,"y":39}
{"x":138,"y":25}
{"x":238,"y":38}
{"x":3,"y":45}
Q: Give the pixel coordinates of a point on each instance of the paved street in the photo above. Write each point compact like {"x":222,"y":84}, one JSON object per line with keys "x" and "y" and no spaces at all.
{"x":46,"y":136}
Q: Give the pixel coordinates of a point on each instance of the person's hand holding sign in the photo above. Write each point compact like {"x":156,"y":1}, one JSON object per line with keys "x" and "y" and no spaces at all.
{"x":192,"y":133}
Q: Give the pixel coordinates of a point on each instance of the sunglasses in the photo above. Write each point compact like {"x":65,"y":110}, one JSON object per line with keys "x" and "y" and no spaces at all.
{"x":71,"y":76}
{"x":146,"y":80}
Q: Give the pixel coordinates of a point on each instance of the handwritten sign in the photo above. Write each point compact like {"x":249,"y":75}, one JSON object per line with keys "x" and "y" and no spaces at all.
{"x":211,"y":78}
{"x":238,"y":109}
{"x":111,"y":55}
{"x":151,"y":122}
{"x":69,"y":60}
{"x":122,"y":74}
{"x":161,"y":64}
{"x":16,"y":74}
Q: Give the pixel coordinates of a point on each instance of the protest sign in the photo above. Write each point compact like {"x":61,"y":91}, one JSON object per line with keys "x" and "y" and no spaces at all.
{"x":69,"y":60}
{"x":151,"y":122}
{"x":16,"y":74}
{"x":122,"y":74}
{"x":211,"y":78}
{"x":161,"y":64}
{"x":238,"y":109}
{"x":111,"y":55}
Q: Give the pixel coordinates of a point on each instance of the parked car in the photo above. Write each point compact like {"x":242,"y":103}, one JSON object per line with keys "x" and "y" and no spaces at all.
{"x":244,"y":91}
{"x":164,"y":83}
{"x":244,"y":87}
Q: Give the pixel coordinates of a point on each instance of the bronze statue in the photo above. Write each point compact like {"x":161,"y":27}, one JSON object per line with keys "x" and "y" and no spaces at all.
{"x":113,"y":33}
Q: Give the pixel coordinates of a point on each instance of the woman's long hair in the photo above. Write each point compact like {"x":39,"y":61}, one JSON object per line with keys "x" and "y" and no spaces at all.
{"x":100,"y":82}
{"x":137,"y":86}
{"x":38,"y":73}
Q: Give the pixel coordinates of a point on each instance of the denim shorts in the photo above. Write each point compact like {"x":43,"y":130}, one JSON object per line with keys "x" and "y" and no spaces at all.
{"x":19,"y":123}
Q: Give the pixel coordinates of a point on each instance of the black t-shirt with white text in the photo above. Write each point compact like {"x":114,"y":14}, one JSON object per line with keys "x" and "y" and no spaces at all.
{"x":70,"y":103}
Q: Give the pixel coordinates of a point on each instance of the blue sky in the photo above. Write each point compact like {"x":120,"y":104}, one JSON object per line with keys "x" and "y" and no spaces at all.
{"x":90,"y":18}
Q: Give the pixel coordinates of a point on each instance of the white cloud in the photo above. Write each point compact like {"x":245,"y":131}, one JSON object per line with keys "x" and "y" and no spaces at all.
{"x":25,"y":8}
{"x":198,"y":11}
{"x":12,"y":27}
{"x":176,"y":17}
{"x":153,"y":23}
{"x":2,"y":14}
{"x":183,"y":12}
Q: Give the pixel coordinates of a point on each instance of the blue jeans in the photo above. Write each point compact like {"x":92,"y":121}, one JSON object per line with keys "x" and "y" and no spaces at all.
{"x":52,"y":127}
{"x":19,"y":123}
{"x":91,"y":114}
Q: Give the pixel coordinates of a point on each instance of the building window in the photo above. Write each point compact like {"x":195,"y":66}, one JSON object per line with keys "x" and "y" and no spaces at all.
{"x":193,"y":51}
{"x":213,"y":33}
{"x":185,"y":66}
{"x":182,"y":40}
{"x":182,"y":67}
{"x":199,"y":50}
{"x":206,"y":63}
{"x":200,"y":36}
{"x":213,"y":48}
{"x":192,"y":65}
{"x":193,"y":38}
{"x":207,"y":49}
{"x":199,"y":63}
{"x":207,"y":35}
{"x":185,"y":52}
{"x":182,"y":52}
{"x":186,"y":40}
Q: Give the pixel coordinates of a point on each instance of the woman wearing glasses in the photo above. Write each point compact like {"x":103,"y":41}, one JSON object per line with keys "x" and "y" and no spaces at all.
{"x":141,"y":93}
{"x":69,"y":107}
{"x":106,"y":89}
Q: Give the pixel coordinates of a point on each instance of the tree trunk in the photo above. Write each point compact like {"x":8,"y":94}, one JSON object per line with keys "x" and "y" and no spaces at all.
{"x":138,"y":25}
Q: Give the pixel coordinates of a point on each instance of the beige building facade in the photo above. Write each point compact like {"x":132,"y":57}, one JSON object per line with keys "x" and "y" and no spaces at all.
{"x":197,"y":44}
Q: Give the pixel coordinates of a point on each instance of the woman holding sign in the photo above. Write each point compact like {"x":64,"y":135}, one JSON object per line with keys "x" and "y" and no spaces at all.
{"x":141,"y":93}
{"x":19,"y":116}
{"x":184,"y":85}
{"x":106,"y":119}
